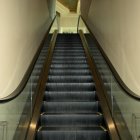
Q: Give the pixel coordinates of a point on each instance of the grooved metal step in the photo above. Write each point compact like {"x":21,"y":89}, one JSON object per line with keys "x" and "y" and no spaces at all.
{"x":94,"y":133}
{"x":74,"y":72}
{"x":80,"y":120}
{"x":70,"y":96}
{"x":70,"y":107}
{"x":70,"y":78}
{"x":68,"y":66}
{"x":68,"y":47}
{"x":68,"y":54}
{"x":69,"y":51}
{"x":69,"y":58}
{"x":69,"y":61}
{"x":70,"y":87}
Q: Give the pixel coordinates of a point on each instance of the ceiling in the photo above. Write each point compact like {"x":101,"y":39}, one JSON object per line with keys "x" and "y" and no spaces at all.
{"x":70,"y":4}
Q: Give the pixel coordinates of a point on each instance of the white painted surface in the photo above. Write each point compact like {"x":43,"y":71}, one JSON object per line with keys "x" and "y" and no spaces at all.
{"x":22,"y":27}
{"x":116,"y":27}
{"x":68,"y":20}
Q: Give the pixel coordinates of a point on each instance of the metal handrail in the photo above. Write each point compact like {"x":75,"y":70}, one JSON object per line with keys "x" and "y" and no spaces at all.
{"x":100,"y":90}
{"x":44,"y":76}
{"x":78,"y":23}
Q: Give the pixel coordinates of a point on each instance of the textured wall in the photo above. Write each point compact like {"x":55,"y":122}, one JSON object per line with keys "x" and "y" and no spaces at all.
{"x":116,"y":27}
{"x":22,"y":27}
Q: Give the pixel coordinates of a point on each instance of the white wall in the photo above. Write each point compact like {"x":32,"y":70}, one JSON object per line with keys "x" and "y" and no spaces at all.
{"x":68,"y":23}
{"x":68,"y":20}
{"x":23,"y":24}
{"x":116,"y":27}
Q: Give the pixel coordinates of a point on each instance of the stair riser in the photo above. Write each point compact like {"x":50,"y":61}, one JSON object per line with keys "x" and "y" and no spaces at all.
{"x":70,"y":96}
{"x":70,"y":87}
{"x":72,"y":135}
{"x":70,"y":107}
{"x":69,"y":62}
{"x":69,"y":79}
{"x":71,"y":120}
{"x":66,"y":66}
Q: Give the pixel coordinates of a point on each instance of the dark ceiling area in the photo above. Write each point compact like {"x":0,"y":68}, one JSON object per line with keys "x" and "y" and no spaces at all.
{"x":70,"y":4}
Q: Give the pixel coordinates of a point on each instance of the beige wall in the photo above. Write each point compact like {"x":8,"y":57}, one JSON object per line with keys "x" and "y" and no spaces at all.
{"x":68,"y":23}
{"x":68,"y":20}
{"x":23,"y":24}
{"x":116,"y":27}
{"x":85,"y":6}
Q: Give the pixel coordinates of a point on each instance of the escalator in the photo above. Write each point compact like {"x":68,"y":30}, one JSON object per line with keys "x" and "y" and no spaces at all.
{"x":70,"y":108}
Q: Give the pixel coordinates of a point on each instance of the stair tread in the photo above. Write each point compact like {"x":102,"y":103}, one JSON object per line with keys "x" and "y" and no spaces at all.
{"x":74,"y":72}
{"x":90,"y":113}
{"x":70,"y":134}
{"x":67,"y":128}
{"x":70,"y":86}
{"x":75,"y":120}
{"x":70,"y":107}
{"x":70,"y":78}
{"x":69,"y":96}
{"x":69,"y":62}
{"x":69,"y":57}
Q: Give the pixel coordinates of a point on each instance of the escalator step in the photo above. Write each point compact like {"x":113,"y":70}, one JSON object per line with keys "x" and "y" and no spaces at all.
{"x":94,"y":133}
{"x":68,"y":54}
{"x":70,"y":107}
{"x":73,"y":53}
{"x":70,"y":78}
{"x":69,"y":51}
{"x":69,"y":57}
{"x":79,"y":120}
{"x":64,"y":61}
{"x":74,"y":72}
{"x":63,"y":43}
{"x":64,"y":66}
{"x":70,"y":87}
{"x":70,"y":96}
{"x":68,"y":47}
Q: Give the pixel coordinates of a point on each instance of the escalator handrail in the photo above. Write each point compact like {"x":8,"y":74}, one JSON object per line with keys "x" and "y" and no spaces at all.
{"x":27,"y":74}
{"x":78,"y":23}
{"x":127,"y":90}
{"x":100,"y":90}
{"x":44,"y":77}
